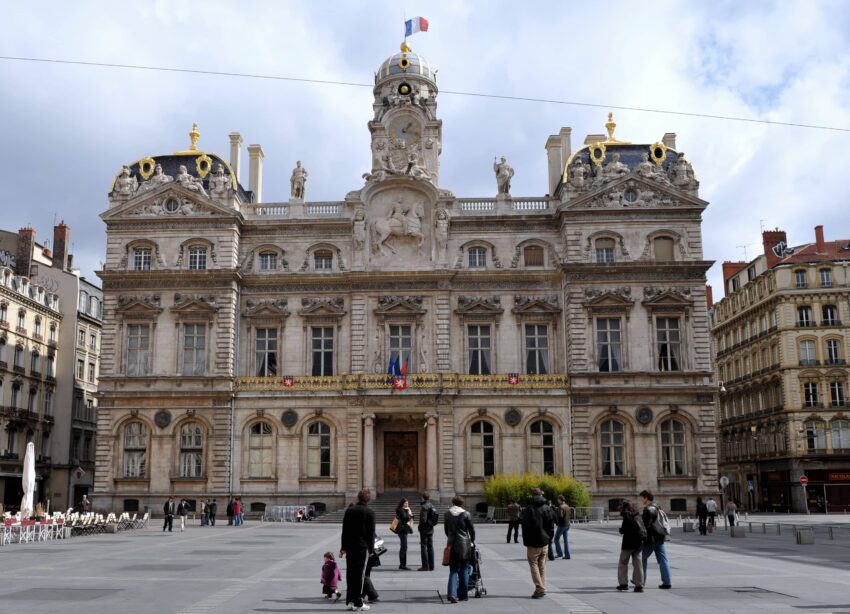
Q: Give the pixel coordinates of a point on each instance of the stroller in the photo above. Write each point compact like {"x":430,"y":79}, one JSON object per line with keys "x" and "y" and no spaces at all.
{"x":476,"y":583}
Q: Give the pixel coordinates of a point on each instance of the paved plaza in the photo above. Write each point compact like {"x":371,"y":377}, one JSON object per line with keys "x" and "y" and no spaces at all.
{"x":275,"y":568}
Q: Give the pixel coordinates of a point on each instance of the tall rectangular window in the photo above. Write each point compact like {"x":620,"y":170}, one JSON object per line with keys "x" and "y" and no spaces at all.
{"x":826,"y":278}
{"x":669,"y":344}
{"x":138,"y":348}
{"x":266,"y":351}
{"x":197,"y":258}
{"x":322,"y":347}
{"x":268,"y":261}
{"x":800,"y":278}
{"x":829,"y":315}
{"x":478,"y":343}
{"x":604,"y":251}
{"x":194,"y":348}
{"x":810,"y":394}
{"x":663,"y":247}
{"x":836,"y":393}
{"x":609,"y":352}
{"x":400,"y":343}
{"x":48,"y":403}
{"x":537,"y":349}
{"x":142,"y":259}
{"x":91,"y":372}
{"x":833,"y":352}
{"x":808,"y":354}
{"x":81,"y":369}
{"x":804,"y":316}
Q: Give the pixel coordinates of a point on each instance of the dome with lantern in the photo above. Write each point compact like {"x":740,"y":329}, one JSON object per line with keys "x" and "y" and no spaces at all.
{"x":405,"y":63}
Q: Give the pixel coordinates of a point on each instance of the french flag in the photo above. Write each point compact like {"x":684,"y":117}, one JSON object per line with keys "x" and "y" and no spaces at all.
{"x":417,"y":24}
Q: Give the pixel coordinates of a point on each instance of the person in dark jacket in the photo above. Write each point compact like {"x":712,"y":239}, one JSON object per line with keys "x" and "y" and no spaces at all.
{"x":461,"y":537}
{"x":183,"y":511}
{"x":213,"y":507}
{"x":702,"y":515}
{"x":514,"y":510}
{"x":538,"y":527}
{"x":168,"y":512}
{"x":633,"y":533}
{"x":404,"y":515}
{"x":654,"y":540}
{"x":426,"y":532}
{"x":358,"y":542}
{"x":229,"y":512}
{"x":563,"y":514}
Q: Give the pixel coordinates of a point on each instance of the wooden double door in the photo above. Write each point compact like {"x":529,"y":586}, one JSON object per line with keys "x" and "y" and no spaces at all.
{"x":401,"y":460}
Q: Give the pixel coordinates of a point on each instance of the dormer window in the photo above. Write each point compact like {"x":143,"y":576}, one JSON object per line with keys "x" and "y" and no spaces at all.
{"x":604,"y":250}
{"x":197,"y":258}
{"x":533,"y":256}
{"x":268,"y":261}
{"x":800,"y":278}
{"x":323,"y":260}
{"x":142,"y":259}
{"x":477,"y":258}
{"x":826,"y":278}
{"x":663,"y":248}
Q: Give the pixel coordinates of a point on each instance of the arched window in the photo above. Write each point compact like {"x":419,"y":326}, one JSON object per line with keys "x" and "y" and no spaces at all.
{"x":808,"y":353}
{"x":191,"y":450}
{"x":268,"y":261}
{"x":833,"y":352}
{"x":4,"y":312}
{"x":815,"y":435}
{"x":672,"y":447}
{"x":135,"y":450}
{"x":38,"y":328}
{"x":323,"y":260}
{"x":477,"y":257}
{"x":532,"y":255}
{"x":482,"y":452}
{"x":612,"y":447}
{"x":319,"y":450}
{"x":260,"y":450}
{"x":663,"y":248}
{"x":197,"y":258}
{"x":840,"y":434}
{"x":604,"y":250}
{"x":142,"y":259}
{"x":542,"y":447}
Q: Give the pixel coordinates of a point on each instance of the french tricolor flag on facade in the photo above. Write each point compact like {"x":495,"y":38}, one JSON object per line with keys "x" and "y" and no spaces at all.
{"x":417,"y":24}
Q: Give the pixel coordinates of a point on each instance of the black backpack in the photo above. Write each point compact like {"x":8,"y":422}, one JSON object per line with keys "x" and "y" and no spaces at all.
{"x":433,"y":517}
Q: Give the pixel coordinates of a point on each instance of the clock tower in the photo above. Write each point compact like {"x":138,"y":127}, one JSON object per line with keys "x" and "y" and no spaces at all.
{"x":405,"y":129}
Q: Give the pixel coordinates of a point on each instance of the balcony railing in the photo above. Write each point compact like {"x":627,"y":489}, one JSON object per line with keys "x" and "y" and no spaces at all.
{"x":836,"y":361}
{"x":809,"y":362}
{"x":415,"y":381}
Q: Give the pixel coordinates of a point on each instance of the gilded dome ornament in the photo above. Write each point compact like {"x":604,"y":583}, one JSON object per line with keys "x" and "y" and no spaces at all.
{"x":658,"y":153}
{"x":204,"y":165}
{"x":597,"y":153}
{"x":146,"y":167}
{"x":610,"y":125}
{"x":194,"y":135}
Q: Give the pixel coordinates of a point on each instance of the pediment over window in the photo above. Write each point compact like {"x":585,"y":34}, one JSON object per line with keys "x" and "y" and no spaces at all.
{"x":479,"y":306}
{"x":400,"y":306}
{"x":266,"y":309}
{"x":194,"y":306}
{"x":146,"y":306}
{"x":322,"y":307}
{"x":610,"y":297}
{"x":671,"y":299}
{"x":169,"y":202}
{"x":633,"y":192}
{"x":536,"y":305}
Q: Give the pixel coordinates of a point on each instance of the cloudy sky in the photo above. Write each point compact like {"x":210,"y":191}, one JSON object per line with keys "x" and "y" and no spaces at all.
{"x":68,"y":129}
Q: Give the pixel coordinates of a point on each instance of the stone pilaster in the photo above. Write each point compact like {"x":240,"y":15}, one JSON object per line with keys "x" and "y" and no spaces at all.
{"x":369,"y":474}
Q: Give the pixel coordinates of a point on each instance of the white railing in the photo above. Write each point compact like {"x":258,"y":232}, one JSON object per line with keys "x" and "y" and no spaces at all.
{"x":323,"y":209}
{"x":531,"y":204}
{"x":476,"y":204}
{"x":277,"y":209}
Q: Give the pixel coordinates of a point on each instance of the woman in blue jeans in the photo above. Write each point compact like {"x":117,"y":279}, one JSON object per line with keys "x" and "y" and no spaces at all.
{"x":461,"y":539}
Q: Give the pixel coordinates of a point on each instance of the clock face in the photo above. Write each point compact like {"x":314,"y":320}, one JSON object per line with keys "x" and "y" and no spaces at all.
{"x":405,"y":129}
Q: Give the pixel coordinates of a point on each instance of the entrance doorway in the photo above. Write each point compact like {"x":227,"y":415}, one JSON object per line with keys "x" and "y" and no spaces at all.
{"x":401,"y":460}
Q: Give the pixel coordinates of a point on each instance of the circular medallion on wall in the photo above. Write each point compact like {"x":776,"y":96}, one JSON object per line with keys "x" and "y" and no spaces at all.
{"x":289,"y":418}
{"x":513,"y":416}
{"x":644,"y":415}
{"x":171,"y":205}
{"x":162,"y":418}
{"x":630,"y":195}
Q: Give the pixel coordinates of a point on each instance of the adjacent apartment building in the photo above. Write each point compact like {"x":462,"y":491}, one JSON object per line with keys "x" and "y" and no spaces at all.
{"x":781,"y":336}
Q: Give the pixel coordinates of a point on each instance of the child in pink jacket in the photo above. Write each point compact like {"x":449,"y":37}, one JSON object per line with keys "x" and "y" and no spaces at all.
{"x":331,"y":577}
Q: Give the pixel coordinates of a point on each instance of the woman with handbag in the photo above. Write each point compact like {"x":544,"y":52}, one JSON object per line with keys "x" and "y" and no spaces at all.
{"x":459,"y":549}
{"x":404,"y":527}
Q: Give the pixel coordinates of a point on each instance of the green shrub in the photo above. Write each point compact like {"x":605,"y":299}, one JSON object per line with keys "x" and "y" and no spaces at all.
{"x":500,"y":489}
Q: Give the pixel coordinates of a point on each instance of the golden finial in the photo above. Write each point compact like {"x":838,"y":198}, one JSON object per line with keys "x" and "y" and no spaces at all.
{"x":610,"y":125}
{"x":194,"y":135}
{"x":404,"y":47}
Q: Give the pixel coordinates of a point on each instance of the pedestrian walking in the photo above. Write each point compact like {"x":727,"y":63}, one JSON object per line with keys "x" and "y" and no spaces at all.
{"x":537,"y":530}
{"x":550,"y":551}
{"x":731,"y":512}
{"x":237,"y":511}
{"x":183,"y":511}
{"x":653,"y":519}
{"x":168,"y":512}
{"x":404,"y":527}
{"x":86,"y":505}
{"x":205,"y":515}
{"x":461,"y":541}
{"x":229,"y":512}
{"x":213,"y":507}
{"x":562,"y":520}
{"x":702,"y":515}
{"x":634,"y":534}
{"x":711,"y":508}
{"x":428,"y":519}
{"x":358,"y":542}
{"x":514,"y":510}
{"x":331,"y":577}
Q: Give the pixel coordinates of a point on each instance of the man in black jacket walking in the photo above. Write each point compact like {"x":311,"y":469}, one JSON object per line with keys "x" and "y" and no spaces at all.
{"x":358,"y":542}
{"x":168,"y":512}
{"x":538,"y":526}
{"x":213,"y":507}
{"x":427,"y":514}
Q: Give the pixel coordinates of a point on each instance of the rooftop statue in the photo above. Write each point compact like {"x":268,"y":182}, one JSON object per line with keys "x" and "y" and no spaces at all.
{"x":504,"y":173}
{"x":126,"y":184}
{"x":298,"y":181}
{"x":220,"y":183}
{"x":157,"y":179}
{"x":190,"y":183}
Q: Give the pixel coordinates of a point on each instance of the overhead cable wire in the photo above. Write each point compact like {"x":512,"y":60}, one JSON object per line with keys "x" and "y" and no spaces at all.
{"x":218,"y":73}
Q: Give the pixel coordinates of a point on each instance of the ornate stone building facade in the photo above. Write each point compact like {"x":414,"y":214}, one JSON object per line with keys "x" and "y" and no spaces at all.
{"x":248,"y":343}
{"x":781,"y":339}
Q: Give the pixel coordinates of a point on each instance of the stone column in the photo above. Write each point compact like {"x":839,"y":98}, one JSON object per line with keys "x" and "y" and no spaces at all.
{"x":431,"y":459}
{"x":369,"y":472}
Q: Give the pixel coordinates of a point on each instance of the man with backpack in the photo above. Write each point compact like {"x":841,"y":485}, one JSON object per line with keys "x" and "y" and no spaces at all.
{"x":428,"y":519}
{"x":657,"y":529}
{"x":634,"y":535}
{"x":537,"y":530}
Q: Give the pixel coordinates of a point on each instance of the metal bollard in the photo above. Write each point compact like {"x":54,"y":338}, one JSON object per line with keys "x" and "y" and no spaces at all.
{"x":778,"y":529}
{"x":830,"y":533}
{"x":764,"y":529}
{"x":751,"y":526}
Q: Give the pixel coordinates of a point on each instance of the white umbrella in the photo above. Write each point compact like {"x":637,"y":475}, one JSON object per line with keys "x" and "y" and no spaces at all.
{"x":28,"y":481}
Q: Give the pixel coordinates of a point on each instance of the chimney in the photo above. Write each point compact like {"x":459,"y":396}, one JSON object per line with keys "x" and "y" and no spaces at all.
{"x":819,"y":242}
{"x":709,"y":296}
{"x":730,"y":269}
{"x":255,"y":172}
{"x":23,"y":255}
{"x":773,"y":252}
{"x":61,"y":243}
{"x":555,"y":160}
{"x":669,"y":140}
{"x":235,"y":154}
{"x":590,"y":139}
